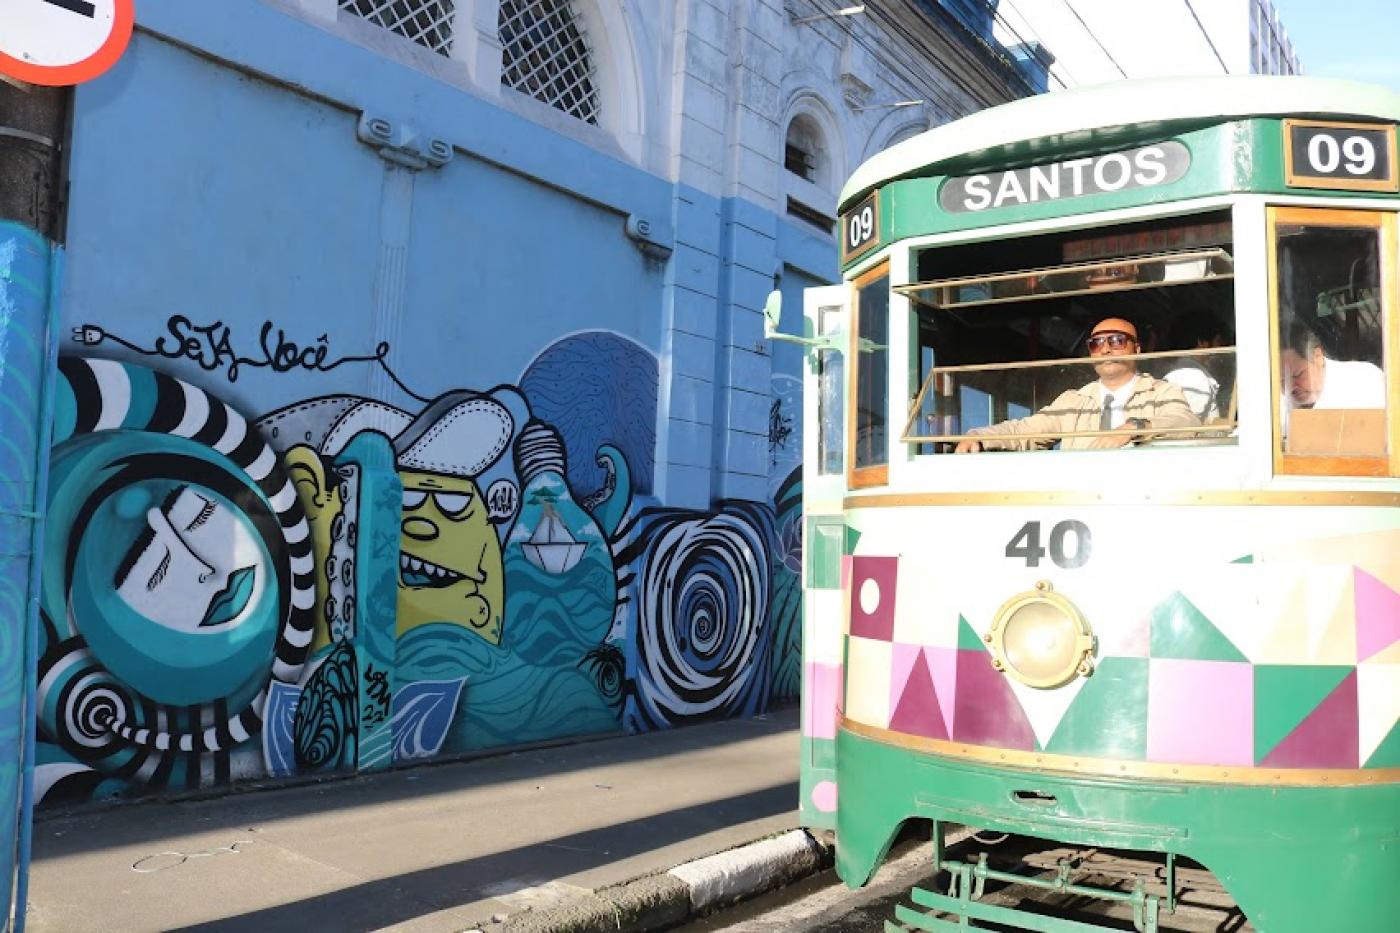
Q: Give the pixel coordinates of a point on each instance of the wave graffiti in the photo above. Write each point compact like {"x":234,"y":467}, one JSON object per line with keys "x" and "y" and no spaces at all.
{"x":700,"y":588}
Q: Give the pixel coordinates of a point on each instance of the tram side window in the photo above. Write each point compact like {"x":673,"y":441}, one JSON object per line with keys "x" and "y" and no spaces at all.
{"x":1331,"y":361}
{"x":871,"y":427}
{"x":831,"y":395}
{"x":1095,"y":349}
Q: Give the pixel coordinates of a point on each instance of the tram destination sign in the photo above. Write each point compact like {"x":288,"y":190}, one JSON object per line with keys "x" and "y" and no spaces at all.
{"x":1144,"y":167}
{"x":1346,"y":156}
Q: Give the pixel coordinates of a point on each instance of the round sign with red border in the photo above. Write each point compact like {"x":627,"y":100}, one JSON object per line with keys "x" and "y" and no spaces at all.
{"x":61,"y":42}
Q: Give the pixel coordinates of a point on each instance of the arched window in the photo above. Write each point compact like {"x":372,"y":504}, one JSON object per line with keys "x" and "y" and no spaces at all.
{"x":812,"y":167}
{"x":804,"y":151}
{"x":427,"y":22}
{"x":545,"y":53}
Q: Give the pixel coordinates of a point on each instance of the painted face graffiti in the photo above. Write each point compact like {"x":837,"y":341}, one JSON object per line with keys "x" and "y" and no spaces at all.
{"x":450,"y":567}
{"x":193,"y":567}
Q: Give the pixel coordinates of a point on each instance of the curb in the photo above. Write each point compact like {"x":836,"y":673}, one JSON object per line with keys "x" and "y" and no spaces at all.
{"x":655,"y":902}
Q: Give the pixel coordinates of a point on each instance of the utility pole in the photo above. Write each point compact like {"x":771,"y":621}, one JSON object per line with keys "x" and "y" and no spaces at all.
{"x":33,"y":123}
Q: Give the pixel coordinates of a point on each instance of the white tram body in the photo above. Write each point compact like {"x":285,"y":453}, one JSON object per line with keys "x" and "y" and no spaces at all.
{"x":1187,"y":644}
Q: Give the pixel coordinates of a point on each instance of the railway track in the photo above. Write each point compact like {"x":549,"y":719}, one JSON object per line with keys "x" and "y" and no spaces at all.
{"x":1201,"y":902}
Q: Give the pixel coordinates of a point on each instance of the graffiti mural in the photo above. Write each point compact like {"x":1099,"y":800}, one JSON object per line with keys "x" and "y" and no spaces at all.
{"x":696,"y":604}
{"x":177,"y":581}
{"x":343,"y":583}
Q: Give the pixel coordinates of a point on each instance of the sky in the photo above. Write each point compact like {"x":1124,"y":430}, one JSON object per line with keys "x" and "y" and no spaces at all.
{"x":1358,"y":39}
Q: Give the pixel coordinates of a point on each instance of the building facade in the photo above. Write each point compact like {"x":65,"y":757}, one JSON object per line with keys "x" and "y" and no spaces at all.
{"x":414,"y":398}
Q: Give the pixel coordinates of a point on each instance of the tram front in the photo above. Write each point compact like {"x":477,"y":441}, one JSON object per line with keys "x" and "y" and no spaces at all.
{"x":1102,"y":497}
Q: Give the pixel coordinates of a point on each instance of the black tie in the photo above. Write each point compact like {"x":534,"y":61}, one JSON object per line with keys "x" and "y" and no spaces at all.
{"x":1106,"y":416}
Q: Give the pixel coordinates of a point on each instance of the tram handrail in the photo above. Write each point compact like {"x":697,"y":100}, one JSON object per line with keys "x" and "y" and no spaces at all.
{"x":1209,"y":431}
{"x":1077,"y":360}
{"x":916,"y":290}
{"x":914,"y":409}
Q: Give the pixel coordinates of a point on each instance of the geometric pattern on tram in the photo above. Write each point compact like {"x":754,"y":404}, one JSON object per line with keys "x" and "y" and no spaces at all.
{"x":1327,"y":736}
{"x":1378,"y":691}
{"x":873,"y":583}
{"x":1200,"y":712}
{"x":1286,"y":695}
{"x":1377,"y":616}
{"x":1310,"y":678}
{"x":916,"y":707}
{"x":986,"y":710}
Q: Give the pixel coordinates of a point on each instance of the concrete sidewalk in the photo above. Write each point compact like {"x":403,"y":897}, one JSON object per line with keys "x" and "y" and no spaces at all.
{"x":575,"y":837}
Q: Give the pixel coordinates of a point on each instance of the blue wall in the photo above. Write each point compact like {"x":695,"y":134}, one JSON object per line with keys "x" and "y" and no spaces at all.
{"x":463,"y":495}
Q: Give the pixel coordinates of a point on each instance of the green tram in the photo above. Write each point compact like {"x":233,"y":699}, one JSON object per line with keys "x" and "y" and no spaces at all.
{"x":1102,"y":492}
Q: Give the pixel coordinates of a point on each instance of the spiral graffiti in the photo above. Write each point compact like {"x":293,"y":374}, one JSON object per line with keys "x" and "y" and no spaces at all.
{"x":609,"y":669}
{"x":90,"y":703}
{"x":701,"y":588}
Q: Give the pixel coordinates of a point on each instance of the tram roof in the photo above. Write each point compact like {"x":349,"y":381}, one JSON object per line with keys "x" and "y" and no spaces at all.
{"x":1066,"y":119}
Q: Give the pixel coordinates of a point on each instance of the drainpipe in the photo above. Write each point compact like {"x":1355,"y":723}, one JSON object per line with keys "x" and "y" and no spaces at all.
{"x":33,"y":128}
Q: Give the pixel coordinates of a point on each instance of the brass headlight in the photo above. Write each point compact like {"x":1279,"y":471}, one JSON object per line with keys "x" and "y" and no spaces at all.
{"x":1041,"y":638}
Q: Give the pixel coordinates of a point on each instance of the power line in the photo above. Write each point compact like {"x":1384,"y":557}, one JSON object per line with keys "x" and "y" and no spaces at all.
{"x":893,"y":55}
{"x":1199,"y":25}
{"x":949,"y":74}
{"x":996,"y":14}
{"x":888,"y":55}
{"x":905,"y":63}
{"x":1094,"y":37}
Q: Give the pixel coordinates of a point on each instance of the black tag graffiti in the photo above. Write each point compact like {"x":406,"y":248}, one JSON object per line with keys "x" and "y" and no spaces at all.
{"x":211,"y":347}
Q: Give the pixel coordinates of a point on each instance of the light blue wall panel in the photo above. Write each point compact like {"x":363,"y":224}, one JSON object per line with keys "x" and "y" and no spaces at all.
{"x":500,"y":265}
{"x":202,"y":192}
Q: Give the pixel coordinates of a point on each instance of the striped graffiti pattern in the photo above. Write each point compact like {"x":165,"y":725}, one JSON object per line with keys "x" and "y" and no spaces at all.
{"x":93,"y":713}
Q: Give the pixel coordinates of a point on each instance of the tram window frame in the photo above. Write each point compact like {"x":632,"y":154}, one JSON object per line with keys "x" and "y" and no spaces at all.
{"x":874,"y":471}
{"x":1191,"y":270}
{"x":1384,"y":226}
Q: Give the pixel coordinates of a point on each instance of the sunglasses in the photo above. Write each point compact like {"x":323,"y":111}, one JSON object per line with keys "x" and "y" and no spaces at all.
{"x":1113,"y":339}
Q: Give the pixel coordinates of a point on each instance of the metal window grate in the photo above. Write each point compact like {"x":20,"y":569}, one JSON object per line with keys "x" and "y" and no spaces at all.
{"x":544,"y":53}
{"x":427,"y":22}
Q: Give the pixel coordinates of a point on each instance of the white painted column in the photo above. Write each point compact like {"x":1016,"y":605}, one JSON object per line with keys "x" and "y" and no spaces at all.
{"x":476,"y":42}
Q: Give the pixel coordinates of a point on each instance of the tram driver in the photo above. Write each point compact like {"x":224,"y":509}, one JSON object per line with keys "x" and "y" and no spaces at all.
{"x":1120,"y":398}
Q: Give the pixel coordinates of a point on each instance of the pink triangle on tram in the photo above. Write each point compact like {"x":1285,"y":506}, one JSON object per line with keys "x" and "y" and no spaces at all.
{"x":988,"y":712}
{"x":943,"y":664}
{"x":1326,"y":738}
{"x":902,"y":658}
{"x":918,"y":711}
{"x":1377,"y":615}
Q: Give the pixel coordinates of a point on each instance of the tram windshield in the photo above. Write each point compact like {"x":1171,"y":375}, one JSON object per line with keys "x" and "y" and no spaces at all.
{"x":1116,"y":338}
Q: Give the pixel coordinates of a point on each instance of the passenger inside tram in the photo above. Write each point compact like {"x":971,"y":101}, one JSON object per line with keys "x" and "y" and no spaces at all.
{"x":1002,"y":335}
{"x":1200,"y":329}
{"x":1318,"y":390}
{"x":1312,"y":379}
{"x":1120,"y":398}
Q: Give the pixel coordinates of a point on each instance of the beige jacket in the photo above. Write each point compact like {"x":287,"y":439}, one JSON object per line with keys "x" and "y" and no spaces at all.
{"x":1159,"y":403}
